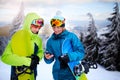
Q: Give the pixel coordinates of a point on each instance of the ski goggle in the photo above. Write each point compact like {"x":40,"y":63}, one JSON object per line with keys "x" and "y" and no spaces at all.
{"x":38,"y":22}
{"x":56,"y":22}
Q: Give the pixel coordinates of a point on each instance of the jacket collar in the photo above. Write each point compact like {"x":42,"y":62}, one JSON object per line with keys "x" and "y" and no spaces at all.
{"x":60,"y":36}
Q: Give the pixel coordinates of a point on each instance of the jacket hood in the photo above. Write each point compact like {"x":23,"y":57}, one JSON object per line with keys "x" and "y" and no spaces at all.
{"x":28,"y":20}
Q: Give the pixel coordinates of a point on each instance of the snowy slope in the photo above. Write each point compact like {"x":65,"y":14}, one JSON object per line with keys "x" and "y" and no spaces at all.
{"x":45,"y":73}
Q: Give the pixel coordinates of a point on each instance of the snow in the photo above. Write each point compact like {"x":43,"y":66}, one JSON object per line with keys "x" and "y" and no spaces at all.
{"x":45,"y":72}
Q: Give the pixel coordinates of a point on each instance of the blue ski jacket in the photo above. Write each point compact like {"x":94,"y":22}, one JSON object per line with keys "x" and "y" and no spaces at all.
{"x":54,"y":46}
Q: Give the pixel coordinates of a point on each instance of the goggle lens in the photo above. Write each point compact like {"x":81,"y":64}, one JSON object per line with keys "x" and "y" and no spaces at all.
{"x":56,"y":22}
{"x":38,"y":22}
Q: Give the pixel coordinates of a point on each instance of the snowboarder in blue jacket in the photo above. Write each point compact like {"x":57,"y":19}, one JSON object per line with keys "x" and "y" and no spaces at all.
{"x":53,"y":52}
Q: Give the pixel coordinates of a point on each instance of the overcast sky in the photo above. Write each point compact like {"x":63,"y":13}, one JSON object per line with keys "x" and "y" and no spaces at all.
{"x":71,"y":9}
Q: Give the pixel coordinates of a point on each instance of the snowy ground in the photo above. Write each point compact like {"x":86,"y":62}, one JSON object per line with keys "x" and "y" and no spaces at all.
{"x":44,"y":73}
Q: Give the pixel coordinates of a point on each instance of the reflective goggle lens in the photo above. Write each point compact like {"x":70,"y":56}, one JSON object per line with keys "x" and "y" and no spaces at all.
{"x":38,"y":22}
{"x":56,"y":22}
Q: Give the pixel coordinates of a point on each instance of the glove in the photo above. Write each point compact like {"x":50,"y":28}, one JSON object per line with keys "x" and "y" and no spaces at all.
{"x":34,"y":61}
{"x":64,"y":59}
{"x":86,"y":66}
{"x":21,"y":68}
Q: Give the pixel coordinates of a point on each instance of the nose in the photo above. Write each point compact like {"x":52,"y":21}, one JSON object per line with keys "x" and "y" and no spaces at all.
{"x":38,"y":28}
{"x":55,"y":29}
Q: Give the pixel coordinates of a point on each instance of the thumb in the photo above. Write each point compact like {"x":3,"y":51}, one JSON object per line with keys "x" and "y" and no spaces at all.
{"x":51,"y":55}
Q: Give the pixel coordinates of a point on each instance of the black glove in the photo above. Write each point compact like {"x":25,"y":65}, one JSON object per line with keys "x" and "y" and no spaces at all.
{"x":86,"y":66}
{"x":34,"y":61}
{"x":64,"y":59}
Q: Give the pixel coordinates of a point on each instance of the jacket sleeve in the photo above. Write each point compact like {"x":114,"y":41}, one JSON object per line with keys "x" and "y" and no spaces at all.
{"x":49,"y":49}
{"x":12,"y":59}
{"x":40,"y":50}
{"x":78,"y":49}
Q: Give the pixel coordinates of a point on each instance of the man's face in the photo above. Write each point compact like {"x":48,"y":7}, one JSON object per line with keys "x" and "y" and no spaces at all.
{"x":36,"y":25}
{"x":57,"y":30}
{"x":35,"y":29}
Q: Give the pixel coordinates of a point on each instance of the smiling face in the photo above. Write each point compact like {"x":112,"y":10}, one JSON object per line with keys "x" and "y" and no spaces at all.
{"x":36,"y":25}
{"x":58,"y":30}
{"x":35,"y":29}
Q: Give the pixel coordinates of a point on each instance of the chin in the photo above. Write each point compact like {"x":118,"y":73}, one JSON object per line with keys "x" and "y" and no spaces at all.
{"x":57,"y":33}
{"x":35,"y":32}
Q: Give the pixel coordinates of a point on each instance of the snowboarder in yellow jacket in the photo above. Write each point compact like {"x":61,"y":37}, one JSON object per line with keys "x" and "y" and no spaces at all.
{"x":24,"y":50}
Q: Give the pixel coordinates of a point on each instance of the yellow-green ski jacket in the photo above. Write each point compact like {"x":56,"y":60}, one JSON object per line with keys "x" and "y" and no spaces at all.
{"x":21,"y":45}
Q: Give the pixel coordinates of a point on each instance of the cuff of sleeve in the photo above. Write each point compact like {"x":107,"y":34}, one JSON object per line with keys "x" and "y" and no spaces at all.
{"x":27,"y":62}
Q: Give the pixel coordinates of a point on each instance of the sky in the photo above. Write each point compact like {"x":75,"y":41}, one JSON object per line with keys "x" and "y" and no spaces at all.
{"x":71,"y":9}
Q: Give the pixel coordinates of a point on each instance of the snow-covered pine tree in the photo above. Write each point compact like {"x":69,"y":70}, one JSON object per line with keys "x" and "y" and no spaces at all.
{"x":90,"y":41}
{"x":118,"y":45}
{"x":3,"y":43}
{"x":110,"y":47}
{"x":14,"y":26}
{"x":18,"y":20}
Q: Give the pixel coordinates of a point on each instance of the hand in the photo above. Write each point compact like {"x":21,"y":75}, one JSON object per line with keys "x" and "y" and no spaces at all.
{"x":48,"y":55}
{"x":34,"y":61}
{"x":64,"y":59}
